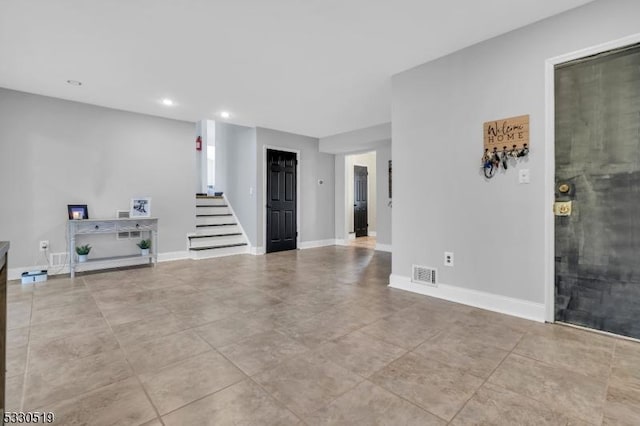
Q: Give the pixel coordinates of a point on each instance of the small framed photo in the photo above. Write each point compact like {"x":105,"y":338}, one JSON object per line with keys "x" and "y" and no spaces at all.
{"x":77,"y":211}
{"x":140,"y":207}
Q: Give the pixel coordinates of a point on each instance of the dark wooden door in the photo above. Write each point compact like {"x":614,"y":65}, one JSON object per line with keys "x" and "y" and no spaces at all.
{"x":360,"y":206}
{"x":281,"y":201}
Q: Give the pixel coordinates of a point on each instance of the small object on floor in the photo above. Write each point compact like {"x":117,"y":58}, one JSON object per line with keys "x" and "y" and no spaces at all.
{"x":34,"y":276}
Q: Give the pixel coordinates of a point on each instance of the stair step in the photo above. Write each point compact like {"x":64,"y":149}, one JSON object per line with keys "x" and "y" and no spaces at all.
{"x":215,"y":214}
{"x":216,"y":224}
{"x":217,"y":247}
{"x":215,"y":235}
{"x":215,"y":220}
{"x":216,"y":240}
{"x":218,"y":252}
{"x":211,"y":202}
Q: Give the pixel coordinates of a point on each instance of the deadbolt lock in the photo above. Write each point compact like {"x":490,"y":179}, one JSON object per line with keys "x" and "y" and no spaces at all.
{"x":562,"y":208}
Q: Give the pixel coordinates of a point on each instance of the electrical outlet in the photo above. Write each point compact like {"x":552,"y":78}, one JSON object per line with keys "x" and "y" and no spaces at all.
{"x":448,"y":258}
{"x":44,"y":245}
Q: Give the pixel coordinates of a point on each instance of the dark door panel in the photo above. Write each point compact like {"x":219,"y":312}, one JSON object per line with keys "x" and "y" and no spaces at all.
{"x":281,"y":201}
{"x":597,"y":275}
{"x":360,"y":202}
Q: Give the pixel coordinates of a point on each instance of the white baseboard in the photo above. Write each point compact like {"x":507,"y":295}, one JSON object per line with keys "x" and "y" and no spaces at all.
{"x":315,"y":244}
{"x":340,"y":242}
{"x":351,"y":236}
{"x":257,"y":251}
{"x":479,"y":299}
{"x":372,"y":234}
{"x":173,"y":255}
{"x":383,"y":247}
{"x":16,"y":273}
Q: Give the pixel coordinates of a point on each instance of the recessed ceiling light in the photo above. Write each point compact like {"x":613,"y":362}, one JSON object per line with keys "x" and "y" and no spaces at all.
{"x":74,"y":82}
{"x":167,"y":102}
{"x":225,"y":114}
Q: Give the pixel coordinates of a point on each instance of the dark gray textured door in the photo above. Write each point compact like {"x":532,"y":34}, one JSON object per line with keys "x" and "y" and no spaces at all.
{"x":360,"y":201}
{"x":597,"y":248}
{"x":281,"y":201}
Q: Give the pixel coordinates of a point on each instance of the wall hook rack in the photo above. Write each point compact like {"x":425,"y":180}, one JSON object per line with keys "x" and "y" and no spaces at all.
{"x":504,"y":140}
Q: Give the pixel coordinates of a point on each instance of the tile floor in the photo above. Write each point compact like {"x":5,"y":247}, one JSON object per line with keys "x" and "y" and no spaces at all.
{"x":364,"y":242}
{"x":303,"y":337}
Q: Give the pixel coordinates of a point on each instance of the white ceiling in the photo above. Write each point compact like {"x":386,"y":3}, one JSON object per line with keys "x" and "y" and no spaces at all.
{"x":315,"y":67}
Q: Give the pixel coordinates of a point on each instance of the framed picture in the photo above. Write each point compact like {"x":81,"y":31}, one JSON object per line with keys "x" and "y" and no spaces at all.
{"x":77,"y":211}
{"x":140,"y":207}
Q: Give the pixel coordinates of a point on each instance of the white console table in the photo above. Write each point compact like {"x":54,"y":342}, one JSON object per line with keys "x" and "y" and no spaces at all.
{"x":111,"y":226}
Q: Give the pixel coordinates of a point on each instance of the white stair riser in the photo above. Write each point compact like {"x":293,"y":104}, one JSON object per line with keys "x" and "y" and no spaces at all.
{"x":228,"y":251}
{"x":212,"y":210}
{"x":210,"y":201}
{"x":215,"y":220}
{"x":216,"y":241}
{"x":217,"y":230}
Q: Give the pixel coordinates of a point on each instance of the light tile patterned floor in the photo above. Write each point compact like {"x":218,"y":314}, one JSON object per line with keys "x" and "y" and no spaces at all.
{"x":302,"y":337}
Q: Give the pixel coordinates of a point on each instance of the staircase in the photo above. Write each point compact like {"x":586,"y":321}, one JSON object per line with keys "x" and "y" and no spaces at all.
{"x":217,"y":230}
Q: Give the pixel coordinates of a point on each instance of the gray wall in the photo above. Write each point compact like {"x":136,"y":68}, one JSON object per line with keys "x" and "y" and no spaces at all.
{"x":317,"y":202}
{"x":440,"y":200}
{"x":383,"y":209}
{"x":361,"y":140}
{"x":55,"y":152}
{"x":236,"y":167}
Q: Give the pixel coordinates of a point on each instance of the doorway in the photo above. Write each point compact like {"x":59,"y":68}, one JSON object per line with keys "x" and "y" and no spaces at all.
{"x":360,"y":201}
{"x":281,"y":200}
{"x":597,"y":157}
{"x":361,"y":193}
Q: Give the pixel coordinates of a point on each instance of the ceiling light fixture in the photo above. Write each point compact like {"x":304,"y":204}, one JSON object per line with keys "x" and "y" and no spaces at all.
{"x":74,"y":82}
{"x":225,"y":114}
{"x":167,"y":102}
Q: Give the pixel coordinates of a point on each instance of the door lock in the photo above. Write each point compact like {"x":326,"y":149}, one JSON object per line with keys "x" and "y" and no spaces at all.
{"x":562,"y":208}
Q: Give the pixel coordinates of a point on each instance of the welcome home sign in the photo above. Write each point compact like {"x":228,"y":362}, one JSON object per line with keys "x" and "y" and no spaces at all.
{"x":506,"y":133}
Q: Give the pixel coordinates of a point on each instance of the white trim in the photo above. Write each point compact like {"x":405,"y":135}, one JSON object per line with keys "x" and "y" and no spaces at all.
{"x":16,"y":273}
{"x":596,"y":331}
{"x":384,"y":247}
{"x":256,"y":251}
{"x":173,"y":255}
{"x":372,"y":234}
{"x":479,"y":299}
{"x":235,"y":217}
{"x":264,"y":190}
{"x":351,"y":236}
{"x":314,"y":244}
{"x":549,"y":173}
{"x":341,"y":242}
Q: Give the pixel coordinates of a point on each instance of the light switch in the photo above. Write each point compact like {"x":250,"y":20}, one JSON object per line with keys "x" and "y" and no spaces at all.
{"x":251,"y":190}
{"x":524,"y":176}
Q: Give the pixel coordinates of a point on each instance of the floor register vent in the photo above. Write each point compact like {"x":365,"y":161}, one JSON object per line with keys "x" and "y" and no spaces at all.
{"x":424,"y":275}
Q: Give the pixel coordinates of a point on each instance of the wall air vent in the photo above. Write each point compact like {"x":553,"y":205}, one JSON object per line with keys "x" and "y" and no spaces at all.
{"x":424,"y":275}
{"x":58,"y":259}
